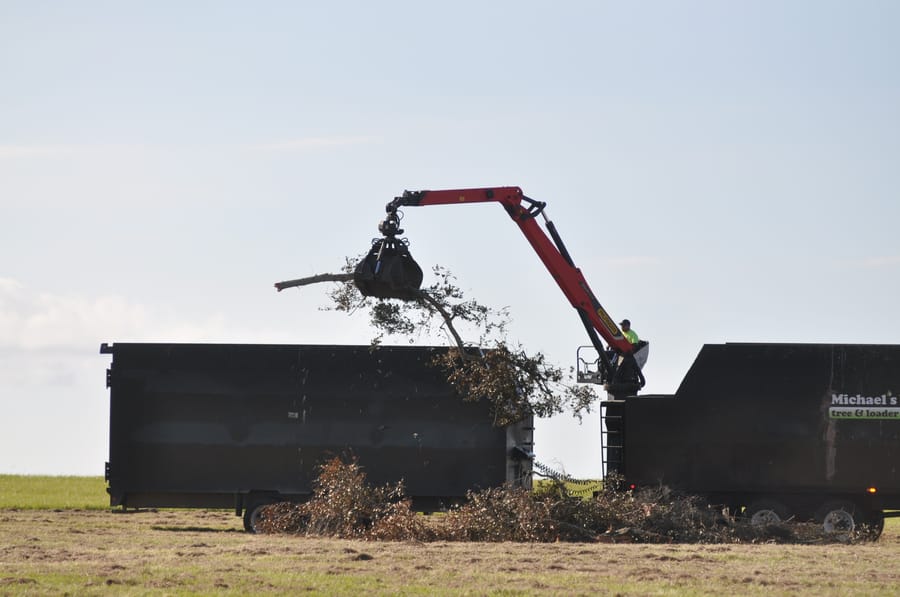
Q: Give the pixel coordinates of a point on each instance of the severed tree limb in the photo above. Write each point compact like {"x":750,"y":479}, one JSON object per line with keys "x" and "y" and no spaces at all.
{"x":313,"y":280}
{"x":347,"y":277}
{"x":448,"y":319}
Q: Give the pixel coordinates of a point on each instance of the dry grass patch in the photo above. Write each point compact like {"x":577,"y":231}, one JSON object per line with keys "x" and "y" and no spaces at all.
{"x":189,"y":552}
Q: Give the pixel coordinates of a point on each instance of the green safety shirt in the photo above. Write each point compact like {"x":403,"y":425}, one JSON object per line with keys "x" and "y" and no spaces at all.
{"x":631,"y":336}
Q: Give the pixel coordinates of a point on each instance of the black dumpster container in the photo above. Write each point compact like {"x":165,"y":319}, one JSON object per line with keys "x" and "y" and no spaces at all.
{"x":798,"y":427}
{"x":236,"y":425}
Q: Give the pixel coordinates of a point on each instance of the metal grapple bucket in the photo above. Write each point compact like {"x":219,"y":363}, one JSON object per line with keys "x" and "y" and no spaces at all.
{"x":388,"y":272}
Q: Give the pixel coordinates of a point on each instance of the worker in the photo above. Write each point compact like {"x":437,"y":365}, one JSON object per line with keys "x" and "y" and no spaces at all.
{"x":612,"y":353}
{"x":630,"y":334}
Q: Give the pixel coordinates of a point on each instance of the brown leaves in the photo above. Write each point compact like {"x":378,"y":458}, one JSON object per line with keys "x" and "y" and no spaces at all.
{"x":344,"y":505}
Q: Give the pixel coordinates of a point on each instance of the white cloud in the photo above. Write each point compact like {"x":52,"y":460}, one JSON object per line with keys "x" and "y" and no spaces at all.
{"x":308,"y":143}
{"x":37,"y":151}
{"x":51,"y":372}
{"x":35,"y":320}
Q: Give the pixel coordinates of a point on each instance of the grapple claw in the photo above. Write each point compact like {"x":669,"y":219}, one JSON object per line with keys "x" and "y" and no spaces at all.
{"x":388,"y":271}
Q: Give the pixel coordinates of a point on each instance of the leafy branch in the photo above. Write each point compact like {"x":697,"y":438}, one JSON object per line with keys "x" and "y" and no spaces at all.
{"x":516,"y":383}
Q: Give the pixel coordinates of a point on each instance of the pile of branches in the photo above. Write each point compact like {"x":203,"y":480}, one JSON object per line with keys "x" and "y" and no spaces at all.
{"x":345,"y":505}
{"x":649,"y":516}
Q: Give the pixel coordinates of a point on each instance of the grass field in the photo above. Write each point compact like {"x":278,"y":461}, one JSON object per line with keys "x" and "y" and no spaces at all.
{"x":28,"y":492}
{"x":46,"y":493}
{"x":60,"y":550}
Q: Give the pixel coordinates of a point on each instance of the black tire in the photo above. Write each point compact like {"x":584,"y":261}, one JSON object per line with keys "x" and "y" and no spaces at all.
{"x":253,"y":515}
{"x":847,"y":517}
{"x":872,"y":526}
{"x":767,"y":511}
{"x":839,"y":516}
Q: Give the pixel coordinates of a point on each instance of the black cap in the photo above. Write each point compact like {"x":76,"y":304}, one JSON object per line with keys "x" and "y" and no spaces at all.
{"x":625,"y":322}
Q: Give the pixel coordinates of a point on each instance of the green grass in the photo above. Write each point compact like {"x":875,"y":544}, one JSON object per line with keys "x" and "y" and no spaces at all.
{"x":39,"y":492}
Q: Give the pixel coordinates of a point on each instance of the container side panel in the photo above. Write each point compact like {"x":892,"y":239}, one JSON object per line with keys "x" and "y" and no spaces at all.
{"x":775,"y":417}
{"x":238,"y":418}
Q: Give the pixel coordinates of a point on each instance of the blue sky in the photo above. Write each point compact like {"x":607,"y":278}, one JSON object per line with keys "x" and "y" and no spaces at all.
{"x":721,"y":171}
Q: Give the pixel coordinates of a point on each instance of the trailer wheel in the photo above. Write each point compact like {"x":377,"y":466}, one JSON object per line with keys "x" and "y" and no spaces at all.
{"x":253,"y":515}
{"x":838,"y":516}
{"x":765,"y":512}
{"x":872,"y":526}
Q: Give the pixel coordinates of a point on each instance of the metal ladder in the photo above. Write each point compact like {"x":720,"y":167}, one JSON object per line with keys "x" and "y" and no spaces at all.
{"x":612,"y":436}
{"x":612,"y":412}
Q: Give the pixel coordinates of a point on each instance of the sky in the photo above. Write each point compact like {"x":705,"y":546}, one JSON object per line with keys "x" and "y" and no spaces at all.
{"x":720,"y":172}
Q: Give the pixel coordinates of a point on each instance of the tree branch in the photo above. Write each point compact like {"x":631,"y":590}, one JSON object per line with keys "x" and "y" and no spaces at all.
{"x":516,"y":383}
{"x":448,"y":319}
{"x":313,"y":280}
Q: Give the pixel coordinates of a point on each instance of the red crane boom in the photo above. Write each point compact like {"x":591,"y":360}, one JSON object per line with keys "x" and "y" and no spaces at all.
{"x":556,"y":259}
{"x":390,"y":272}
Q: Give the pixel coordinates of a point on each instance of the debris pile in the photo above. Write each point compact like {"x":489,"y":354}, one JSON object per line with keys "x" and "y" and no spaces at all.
{"x":345,"y":505}
{"x":657,"y":516}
